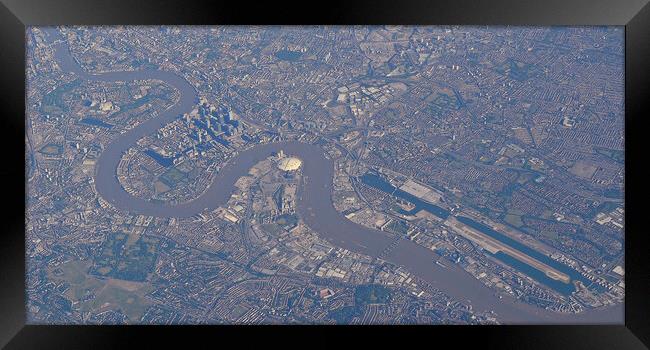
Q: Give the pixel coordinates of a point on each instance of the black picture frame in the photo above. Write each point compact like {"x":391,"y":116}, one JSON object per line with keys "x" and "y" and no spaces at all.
{"x":15,"y":15}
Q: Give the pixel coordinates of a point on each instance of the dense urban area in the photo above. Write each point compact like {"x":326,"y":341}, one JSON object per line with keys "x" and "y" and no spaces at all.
{"x":474,"y":175}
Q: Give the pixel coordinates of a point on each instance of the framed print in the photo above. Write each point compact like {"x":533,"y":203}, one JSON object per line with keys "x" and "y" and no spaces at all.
{"x":468,"y":171}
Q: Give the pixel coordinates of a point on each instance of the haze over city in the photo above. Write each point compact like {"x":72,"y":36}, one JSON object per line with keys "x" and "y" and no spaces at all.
{"x":325,"y":175}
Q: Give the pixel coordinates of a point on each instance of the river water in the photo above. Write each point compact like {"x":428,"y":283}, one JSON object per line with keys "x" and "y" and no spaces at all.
{"x":314,"y":204}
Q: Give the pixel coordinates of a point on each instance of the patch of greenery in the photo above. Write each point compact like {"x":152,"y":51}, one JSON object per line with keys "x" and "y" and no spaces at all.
{"x":613,"y":193}
{"x":53,"y":103}
{"x":51,"y":149}
{"x":514,"y":220}
{"x":607,"y":207}
{"x":130,"y":261}
{"x":287,"y":221}
{"x":371,"y":294}
{"x":442,"y":104}
{"x":132,"y":303}
{"x":272,"y":229}
{"x":92,"y":294}
{"x":398,"y":226}
{"x":286,"y":55}
{"x":277,"y":196}
{"x":517,"y":70}
{"x":551,"y":235}
{"x":343,"y":315}
{"x":172,"y":177}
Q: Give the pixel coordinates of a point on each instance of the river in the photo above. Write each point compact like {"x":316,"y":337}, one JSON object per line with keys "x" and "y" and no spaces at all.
{"x":314,"y":205}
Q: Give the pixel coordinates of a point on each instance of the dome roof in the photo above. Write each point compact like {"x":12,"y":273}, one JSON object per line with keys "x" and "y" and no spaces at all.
{"x":289,"y":164}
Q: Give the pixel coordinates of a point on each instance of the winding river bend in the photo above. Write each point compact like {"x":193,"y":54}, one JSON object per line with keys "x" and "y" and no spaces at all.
{"x":314,"y":205}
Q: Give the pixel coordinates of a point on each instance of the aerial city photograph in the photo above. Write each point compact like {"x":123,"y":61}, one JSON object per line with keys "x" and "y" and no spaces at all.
{"x":324,"y":175}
